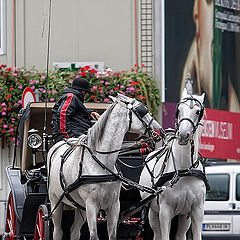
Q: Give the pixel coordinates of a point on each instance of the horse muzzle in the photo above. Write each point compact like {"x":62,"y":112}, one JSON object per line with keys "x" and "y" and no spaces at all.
{"x":183,"y":138}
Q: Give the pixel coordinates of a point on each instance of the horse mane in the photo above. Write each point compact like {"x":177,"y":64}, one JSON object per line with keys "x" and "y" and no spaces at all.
{"x":95,"y":133}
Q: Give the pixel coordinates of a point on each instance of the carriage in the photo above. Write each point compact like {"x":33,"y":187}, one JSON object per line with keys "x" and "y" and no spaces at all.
{"x":29,"y":212}
{"x":28,"y":204}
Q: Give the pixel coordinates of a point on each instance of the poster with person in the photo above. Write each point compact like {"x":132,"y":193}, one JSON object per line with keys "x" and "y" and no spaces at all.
{"x":203,"y":38}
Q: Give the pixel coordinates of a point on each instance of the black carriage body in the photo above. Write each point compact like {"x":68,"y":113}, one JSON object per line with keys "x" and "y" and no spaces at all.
{"x":28,"y":183}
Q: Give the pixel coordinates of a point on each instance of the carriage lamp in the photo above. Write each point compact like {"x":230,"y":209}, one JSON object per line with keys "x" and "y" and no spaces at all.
{"x":34,"y":140}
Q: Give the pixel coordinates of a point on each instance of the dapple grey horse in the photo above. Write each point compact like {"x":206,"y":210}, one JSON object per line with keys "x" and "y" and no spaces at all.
{"x":106,"y":136}
{"x":186,"y":197}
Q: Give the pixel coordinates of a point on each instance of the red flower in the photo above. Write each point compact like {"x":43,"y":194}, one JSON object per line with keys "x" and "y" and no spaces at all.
{"x":92,"y":71}
{"x":9,"y":108}
{"x":143,"y":65}
{"x":8,"y":96}
{"x":116,"y":88}
{"x":3,"y":131}
{"x":134,"y":83}
{"x":132,"y":69}
{"x":87,"y":67}
{"x":143,"y":97}
{"x":9,"y":69}
{"x":100,"y":88}
{"x":11,"y":88}
{"x":92,"y":96}
{"x":3,"y":66}
{"x":135,"y":65}
{"x":83,"y":74}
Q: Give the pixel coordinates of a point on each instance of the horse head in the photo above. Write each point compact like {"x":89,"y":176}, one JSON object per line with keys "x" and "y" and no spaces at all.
{"x":140,"y":120}
{"x":189,"y":113}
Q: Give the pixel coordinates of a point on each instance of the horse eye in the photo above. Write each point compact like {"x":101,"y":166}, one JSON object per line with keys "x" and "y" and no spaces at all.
{"x":197,"y":112}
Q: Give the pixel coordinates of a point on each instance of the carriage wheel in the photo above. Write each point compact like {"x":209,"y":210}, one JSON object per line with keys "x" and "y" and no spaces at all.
{"x":42,"y":231}
{"x":10,"y":228}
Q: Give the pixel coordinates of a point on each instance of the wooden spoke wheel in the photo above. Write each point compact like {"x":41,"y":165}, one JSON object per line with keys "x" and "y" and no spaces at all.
{"x":42,"y":226}
{"x":10,"y":228}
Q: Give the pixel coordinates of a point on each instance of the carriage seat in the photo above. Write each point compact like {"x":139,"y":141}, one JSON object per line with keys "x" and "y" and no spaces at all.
{"x":36,"y":180}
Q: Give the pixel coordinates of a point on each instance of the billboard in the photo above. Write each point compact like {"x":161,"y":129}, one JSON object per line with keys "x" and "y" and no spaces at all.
{"x":220,"y":132}
{"x":202,"y":37}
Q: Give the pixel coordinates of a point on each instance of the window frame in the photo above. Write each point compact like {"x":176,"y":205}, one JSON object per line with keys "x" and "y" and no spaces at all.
{"x":3,"y":22}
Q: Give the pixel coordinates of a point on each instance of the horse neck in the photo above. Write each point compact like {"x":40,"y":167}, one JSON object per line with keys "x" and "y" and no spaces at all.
{"x":182,"y":155}
{"x":112,"y":136}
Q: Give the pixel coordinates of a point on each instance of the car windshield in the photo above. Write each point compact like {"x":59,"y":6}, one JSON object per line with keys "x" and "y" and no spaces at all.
{"x":219,"y":187}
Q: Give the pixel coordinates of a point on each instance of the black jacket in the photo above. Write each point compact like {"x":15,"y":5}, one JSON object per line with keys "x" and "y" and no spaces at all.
{"x":70,"y":118}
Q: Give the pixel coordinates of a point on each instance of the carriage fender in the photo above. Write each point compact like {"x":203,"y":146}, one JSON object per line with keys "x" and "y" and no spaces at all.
{"x":17,"y":189}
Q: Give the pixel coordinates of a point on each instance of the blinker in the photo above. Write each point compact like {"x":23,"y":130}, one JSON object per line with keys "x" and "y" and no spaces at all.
{"x":141,"y":110}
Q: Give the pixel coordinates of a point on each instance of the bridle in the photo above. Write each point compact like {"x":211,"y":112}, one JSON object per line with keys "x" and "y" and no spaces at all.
{"x":142,"y":114}
{"x":197,"y":102}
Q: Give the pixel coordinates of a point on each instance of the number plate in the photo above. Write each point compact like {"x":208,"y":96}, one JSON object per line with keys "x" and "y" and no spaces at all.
{"x":216,"y":227}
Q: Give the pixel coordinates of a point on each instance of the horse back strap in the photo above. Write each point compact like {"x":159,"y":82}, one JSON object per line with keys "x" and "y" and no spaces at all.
{"x":182,"y":173}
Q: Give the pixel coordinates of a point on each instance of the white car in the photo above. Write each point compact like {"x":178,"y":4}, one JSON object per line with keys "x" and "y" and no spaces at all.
{"x":222,"y":206}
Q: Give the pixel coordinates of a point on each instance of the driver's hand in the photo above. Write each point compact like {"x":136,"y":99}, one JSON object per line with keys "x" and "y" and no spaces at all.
{"x":94,"y":115}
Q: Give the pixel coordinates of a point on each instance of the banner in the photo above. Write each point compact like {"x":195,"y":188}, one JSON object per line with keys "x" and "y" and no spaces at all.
{"x":220,"y":132}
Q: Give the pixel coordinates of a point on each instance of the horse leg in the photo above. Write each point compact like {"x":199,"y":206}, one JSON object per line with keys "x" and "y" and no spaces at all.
{"x":57,"y":220}
{"x":92,"y":211}
{"x":184,"y":223}
{"x":79,"y":219}
{"x":165,"y":219}
{"x":112,"y":220}
{"x":197,"y":218}
{"x":154,"y":223}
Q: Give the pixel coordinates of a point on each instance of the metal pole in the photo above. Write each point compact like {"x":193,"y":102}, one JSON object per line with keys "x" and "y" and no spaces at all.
{"x":159,"y":45}
{"x":45,"y":140}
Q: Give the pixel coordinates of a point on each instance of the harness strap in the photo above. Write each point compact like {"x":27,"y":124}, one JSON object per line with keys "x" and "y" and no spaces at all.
{"x":50,"y":161}
{"x":182,"y":173}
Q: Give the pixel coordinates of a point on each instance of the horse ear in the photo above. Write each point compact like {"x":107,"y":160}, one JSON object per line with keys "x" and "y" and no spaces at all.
{"x":184,"y":93}
{"x":201,"y":98}
{"x":123,"y":97}
{"x":113,"y":98}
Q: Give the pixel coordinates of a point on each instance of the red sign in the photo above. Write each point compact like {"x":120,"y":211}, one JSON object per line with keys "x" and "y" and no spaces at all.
{"x":220,"y":135}
{"x":220,"y":132}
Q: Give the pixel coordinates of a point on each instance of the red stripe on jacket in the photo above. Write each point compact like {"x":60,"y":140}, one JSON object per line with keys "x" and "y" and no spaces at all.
{"x":63,"y":114}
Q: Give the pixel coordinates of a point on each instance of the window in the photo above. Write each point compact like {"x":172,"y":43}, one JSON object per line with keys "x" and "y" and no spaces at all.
{"x":238,"y":187}
{"x":2,"y":27}
{"x":219,"y":184}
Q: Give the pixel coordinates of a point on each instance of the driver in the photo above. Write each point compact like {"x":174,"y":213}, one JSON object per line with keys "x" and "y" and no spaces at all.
{"x":70,"y":118}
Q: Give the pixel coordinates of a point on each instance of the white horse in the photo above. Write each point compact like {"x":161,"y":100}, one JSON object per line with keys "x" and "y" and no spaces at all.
{"x":186,"y":197}
{"x":103,"y":188}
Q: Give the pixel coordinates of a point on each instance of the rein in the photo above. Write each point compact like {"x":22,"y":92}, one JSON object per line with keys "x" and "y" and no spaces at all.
{"x":147,"y":142}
